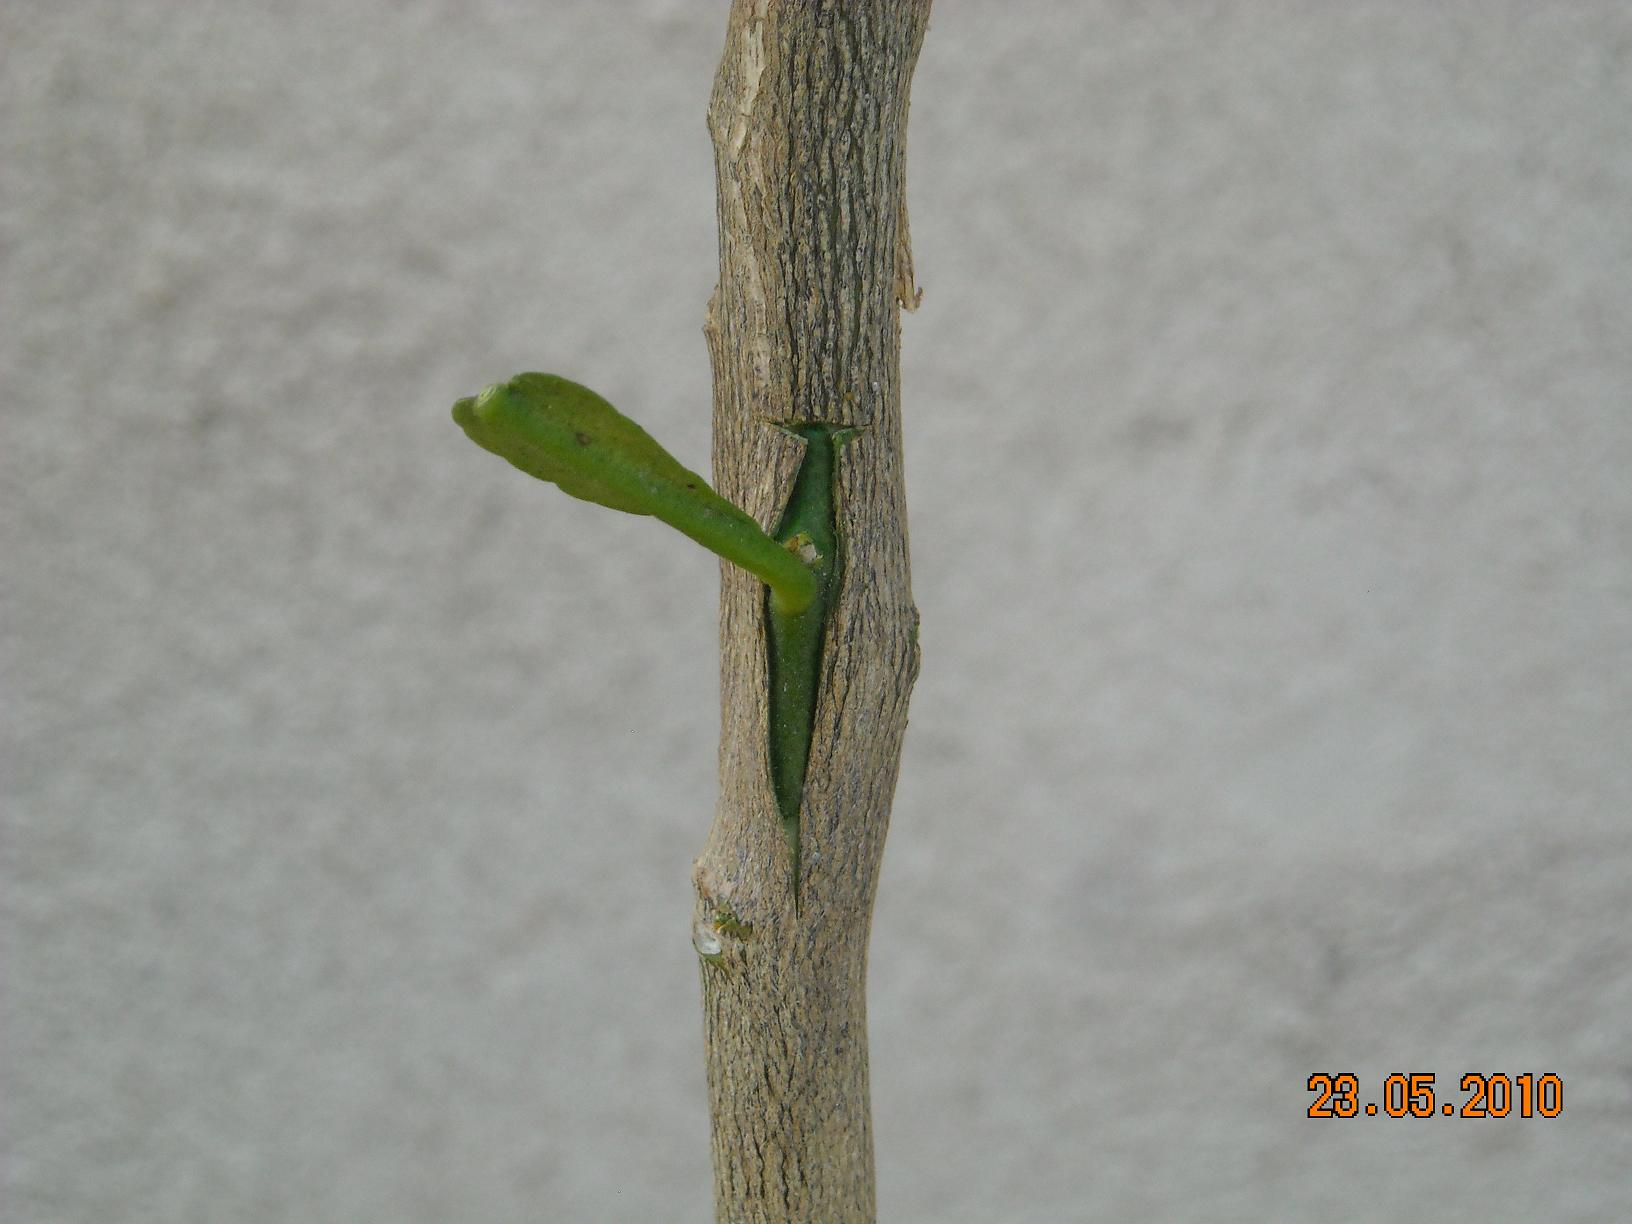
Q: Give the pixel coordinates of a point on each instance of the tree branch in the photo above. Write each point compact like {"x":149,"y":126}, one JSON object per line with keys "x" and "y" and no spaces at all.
{"x":808,"y":118}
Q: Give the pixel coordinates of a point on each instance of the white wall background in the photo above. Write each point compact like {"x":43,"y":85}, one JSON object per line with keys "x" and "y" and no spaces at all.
{"x":1270,"y":425}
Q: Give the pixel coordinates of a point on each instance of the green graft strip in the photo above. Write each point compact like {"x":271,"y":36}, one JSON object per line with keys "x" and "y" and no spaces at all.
{"x":795,"y":638}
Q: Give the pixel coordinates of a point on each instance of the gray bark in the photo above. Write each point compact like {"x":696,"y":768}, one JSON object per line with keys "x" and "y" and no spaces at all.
{"x":808,"y":119}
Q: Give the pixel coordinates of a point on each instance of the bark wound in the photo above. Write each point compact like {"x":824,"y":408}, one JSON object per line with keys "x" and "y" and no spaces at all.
{"x":808,"y":118}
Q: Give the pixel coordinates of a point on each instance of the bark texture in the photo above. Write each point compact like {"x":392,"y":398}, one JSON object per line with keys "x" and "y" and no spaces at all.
{"x":808,"y":119}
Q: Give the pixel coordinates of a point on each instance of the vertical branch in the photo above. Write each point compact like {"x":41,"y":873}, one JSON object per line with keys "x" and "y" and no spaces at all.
{"x":808,"y":119}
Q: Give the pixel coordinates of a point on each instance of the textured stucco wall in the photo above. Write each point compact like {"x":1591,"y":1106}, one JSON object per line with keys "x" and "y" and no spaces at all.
{"x":1270,"y":426}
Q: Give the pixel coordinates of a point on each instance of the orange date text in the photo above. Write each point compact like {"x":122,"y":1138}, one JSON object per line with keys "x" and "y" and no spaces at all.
{"x":1338,"y":1095}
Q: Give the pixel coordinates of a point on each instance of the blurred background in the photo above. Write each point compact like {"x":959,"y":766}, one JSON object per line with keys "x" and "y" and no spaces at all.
{"x":1269,"y":420}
